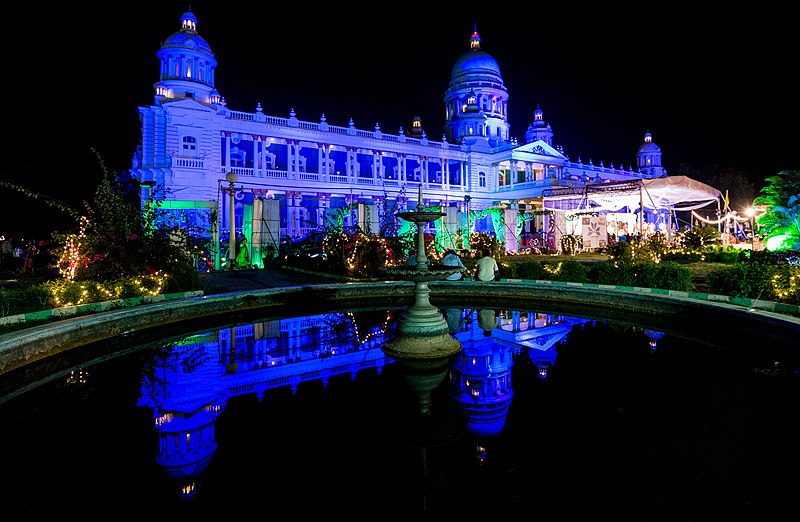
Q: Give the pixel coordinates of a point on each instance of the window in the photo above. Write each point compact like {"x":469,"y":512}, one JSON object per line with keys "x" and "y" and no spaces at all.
{"x":482,"y":179}
{"x":189,"y":146}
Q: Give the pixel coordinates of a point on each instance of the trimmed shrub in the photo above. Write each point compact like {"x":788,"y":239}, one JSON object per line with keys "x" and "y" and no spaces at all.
{"x":530,"y":270}
{"x":23,"y":299}
{"x":750,"y":280}
{"x":666,"y":276}
{"x":570,"y":271}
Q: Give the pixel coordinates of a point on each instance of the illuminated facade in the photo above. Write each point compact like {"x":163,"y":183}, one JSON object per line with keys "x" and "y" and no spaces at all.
{"x":290,"y":174}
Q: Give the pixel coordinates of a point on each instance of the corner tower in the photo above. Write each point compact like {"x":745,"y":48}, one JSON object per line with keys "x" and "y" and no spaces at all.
{"x":648,"y":158}
{"x":539,"y":129}
{"x":476,"y":100}
{"x":187,"y":66}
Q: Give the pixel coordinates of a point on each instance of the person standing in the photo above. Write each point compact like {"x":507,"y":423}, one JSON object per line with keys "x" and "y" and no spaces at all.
{"x":487,"y":269}
{"x":242,"y":255}
{"x":451,"y":259}
{"x":30,"y":253}
{"x":7,"y":261}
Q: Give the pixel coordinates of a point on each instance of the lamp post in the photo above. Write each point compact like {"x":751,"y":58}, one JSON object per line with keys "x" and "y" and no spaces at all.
{"x":467,"y":199}
{"x":231,"y":177}
{"x":751,"y":213}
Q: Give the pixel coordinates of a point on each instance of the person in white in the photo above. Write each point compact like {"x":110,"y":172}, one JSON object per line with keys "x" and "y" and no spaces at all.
{"x":451,"y":259}
{"x":486,"y":269}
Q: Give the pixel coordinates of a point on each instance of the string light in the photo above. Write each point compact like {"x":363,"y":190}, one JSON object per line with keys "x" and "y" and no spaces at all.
{"x":723,"y":219}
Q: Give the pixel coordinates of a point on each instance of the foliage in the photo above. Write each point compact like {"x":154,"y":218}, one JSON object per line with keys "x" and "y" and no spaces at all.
{"x":667,"y":275}
{"x":751,"y":280}
{"x":697,"y":238}
{"x":64,"y":292}
{"x":570,"y":244}
{"x":781,"y":199}
{"x":771,"y":276}
{"x":481,"y":240}
{"x":357,"y":254}
{"x":650,"y":250}
{"x":117,"y":240}
{"x":22,"y":299}
{"x":531,"y":269}
{"x":711,"y":254}
{"x":570,"y":270}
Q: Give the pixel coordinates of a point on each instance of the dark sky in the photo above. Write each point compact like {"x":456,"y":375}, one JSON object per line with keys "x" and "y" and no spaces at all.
{"x":712,"y":88}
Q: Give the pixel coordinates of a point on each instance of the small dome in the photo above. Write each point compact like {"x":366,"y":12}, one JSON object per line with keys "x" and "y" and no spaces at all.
{"x":187,"y":37}
{"x":648,"y":145}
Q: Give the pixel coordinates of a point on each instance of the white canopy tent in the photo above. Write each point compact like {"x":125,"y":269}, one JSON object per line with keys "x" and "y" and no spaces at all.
{"x":673,"y":193}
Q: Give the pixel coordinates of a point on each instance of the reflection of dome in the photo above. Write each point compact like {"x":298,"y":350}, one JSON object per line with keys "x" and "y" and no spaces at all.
{"x":481,"y":385}
{"x":654,"y":337}
{"x":186,"y":444}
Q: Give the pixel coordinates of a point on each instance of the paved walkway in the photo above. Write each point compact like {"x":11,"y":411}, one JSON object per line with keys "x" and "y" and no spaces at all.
{"x":221,"y":281}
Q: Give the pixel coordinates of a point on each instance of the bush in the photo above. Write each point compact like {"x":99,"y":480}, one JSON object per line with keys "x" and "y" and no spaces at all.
{"x":667,"y":276}
{"x":750,"y":280}
{"x":570,"y":271}
{"x":672,"y":276}
{"x":183,"y":278}
{"x":529,"y":270}
{"x":23,"y":299}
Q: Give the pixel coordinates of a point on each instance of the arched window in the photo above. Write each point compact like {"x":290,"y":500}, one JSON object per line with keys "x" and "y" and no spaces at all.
{"x":189,"y":146}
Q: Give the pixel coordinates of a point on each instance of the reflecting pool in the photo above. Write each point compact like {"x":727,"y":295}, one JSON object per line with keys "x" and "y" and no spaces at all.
{"x":540,"y":416}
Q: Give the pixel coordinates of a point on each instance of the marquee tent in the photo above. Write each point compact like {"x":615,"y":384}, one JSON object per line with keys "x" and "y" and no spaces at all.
{"x":677,"y":193}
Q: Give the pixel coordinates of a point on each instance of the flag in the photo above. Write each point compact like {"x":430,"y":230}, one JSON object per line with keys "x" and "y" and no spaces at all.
{"x":727,"y":202}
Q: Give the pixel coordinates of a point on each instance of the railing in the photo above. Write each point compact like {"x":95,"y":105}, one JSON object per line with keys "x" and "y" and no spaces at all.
{"x":307,"y":125}
{"x":188,"y":163}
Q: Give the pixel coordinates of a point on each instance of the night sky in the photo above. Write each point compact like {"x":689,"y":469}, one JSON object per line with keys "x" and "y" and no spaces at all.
{"x":712,"y":88}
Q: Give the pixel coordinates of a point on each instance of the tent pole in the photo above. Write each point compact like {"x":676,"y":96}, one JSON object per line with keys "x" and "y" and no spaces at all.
{"x":641,"y":210}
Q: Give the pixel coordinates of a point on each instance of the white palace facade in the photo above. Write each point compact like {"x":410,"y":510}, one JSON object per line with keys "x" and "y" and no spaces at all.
{"x":287,"y":175}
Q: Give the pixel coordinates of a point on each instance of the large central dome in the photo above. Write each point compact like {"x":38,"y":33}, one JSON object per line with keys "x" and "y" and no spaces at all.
{"x":475,"y":62}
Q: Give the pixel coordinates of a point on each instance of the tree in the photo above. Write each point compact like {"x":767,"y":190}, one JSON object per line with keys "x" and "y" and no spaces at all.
{"x":780,"y":198}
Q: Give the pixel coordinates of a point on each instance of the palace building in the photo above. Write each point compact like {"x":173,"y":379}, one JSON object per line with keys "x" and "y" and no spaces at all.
{"x":267,"y":177}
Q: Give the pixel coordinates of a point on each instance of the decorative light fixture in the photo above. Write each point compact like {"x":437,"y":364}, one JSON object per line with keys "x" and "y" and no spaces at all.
{"x":231,"y":178}
{"x":751,"y":214}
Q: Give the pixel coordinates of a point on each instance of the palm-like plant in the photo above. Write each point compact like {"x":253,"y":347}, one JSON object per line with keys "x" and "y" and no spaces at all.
{"x":780,"y":196}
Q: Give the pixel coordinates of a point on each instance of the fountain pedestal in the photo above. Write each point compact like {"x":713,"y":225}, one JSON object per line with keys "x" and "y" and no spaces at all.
{"x":423,"y":341}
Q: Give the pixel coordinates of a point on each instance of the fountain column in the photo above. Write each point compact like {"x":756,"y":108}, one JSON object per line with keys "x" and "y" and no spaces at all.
{"x":423,"y":340}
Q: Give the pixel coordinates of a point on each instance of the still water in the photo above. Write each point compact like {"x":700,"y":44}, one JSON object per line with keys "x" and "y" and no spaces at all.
{"x":539,"y":417}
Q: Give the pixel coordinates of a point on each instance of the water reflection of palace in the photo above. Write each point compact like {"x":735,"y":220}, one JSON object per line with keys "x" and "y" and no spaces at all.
{"x":192,"y":381}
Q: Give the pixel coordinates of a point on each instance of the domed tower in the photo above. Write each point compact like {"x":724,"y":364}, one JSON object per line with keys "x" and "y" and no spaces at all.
{"x":416,"y":127}
{"x":539,"y":130}
{"x":187,"y":66}
{"x":648,"y":158}
{"x":476,"y":100}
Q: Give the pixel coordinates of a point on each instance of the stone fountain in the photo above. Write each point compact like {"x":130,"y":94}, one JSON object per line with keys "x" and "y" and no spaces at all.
{"x":422,"y":344}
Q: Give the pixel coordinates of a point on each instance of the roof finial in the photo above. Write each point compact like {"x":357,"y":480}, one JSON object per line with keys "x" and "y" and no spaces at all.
{"x":475,"y":39}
